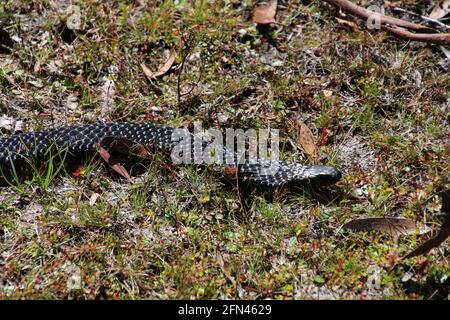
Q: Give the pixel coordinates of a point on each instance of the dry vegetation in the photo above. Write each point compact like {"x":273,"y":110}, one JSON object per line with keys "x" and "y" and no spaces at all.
{"x":377,"y":106}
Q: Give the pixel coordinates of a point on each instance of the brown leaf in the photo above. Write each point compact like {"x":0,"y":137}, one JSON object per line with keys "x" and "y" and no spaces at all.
{"x":117,"y":167}
{"x":350,"y":24}
{"x":443,"y":234}
{"x":163,"y":70}
{"x":224,"y":265}
{"x":441,"y":9}
{"x":392,"y":226}
{"x":325,"y":134}
{"x":307,"y":143}
{"x":265,"y":14}
{"x":125,"y":146}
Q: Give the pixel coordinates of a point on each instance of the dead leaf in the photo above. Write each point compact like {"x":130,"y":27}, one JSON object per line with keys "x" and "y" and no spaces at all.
{"x":224,"y":265}
{"x":121,"y":145}
{"x":392,"y":226}
{"x":350,"y":24}
{"x":307,"y":143}
{"x":441,"y":9}
{"x":325,"y":134}
{"x":425,"y":247}
{"x":93,"y":198}
{"x":265,"y":13}
{"x":327,"y":93}
{"x":163,"y":70}
{"x":117,"y":167}
{"x":125,"y":146}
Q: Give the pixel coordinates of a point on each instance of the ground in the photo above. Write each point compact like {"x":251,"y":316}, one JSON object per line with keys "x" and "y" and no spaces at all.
{"x":376,"y":105}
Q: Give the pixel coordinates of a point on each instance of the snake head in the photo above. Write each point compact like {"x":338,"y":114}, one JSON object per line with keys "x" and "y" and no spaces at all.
{"x":321,"y":175}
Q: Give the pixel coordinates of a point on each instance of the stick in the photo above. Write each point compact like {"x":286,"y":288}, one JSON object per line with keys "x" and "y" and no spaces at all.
{"x":438,"y":38}
{"x":362,"y":13}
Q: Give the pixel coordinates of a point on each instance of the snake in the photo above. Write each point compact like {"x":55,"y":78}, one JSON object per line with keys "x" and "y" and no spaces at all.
{"x":78,"y":139}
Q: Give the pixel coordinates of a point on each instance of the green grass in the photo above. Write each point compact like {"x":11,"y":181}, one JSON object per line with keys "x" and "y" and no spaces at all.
{"x":385,"y":125}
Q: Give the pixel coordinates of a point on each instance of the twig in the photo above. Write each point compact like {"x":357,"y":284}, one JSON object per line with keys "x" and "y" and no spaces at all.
{"x":362,"y":13}
{"x":438,"y":38}
{"x":427,"y":19}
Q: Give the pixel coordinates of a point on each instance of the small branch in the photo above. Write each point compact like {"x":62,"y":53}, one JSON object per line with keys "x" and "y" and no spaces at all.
{"x":438,"y":38}
{"x":362,"y":13}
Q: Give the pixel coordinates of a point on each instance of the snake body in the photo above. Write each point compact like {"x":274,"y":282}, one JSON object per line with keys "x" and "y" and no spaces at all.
{"x":79,"y":139}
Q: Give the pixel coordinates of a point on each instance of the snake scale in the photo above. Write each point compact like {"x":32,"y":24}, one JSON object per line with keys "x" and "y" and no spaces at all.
{"x":79,"y":139}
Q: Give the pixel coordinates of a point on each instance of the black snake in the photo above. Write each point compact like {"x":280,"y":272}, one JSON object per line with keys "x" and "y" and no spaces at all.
{"x":78,"y":139}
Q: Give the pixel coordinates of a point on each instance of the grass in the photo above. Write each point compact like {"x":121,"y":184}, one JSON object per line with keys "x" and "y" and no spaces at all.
{"x":385,"y":125}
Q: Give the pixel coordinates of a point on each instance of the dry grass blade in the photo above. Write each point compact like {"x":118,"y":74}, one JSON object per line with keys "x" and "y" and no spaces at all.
{"x":441,"y":9}
{"x":117,"y":167}
{"x":393,"y":226}
{"x":425,"y":247}
{"x":265,"y":14}
{"x":307,"y":143}
{"x":163,"y":70}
